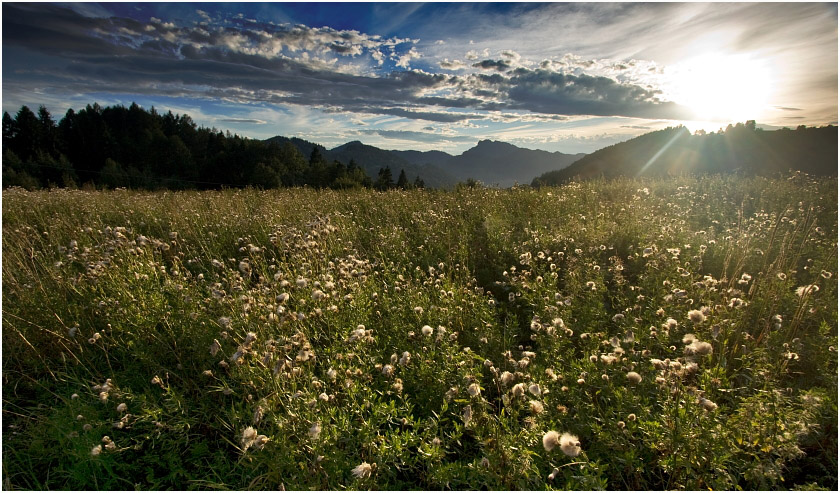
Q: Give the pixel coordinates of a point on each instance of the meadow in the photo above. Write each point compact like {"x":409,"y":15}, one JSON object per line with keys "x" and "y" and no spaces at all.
{"x":627,"y":334}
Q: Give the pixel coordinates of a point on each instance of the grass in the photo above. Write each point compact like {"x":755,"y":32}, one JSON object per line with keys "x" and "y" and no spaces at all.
{"x":307,"y":339}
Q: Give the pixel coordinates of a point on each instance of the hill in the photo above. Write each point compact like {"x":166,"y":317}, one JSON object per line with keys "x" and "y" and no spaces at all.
{"x":503,"y":164}
{"x":742,"y":148}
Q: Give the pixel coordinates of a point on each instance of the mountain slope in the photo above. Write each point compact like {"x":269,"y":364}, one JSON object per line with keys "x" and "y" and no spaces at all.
{"x":436,"y":158}
{"x":742,"y":148}
{"x":503,"y":164}
{"x":371,"y":159}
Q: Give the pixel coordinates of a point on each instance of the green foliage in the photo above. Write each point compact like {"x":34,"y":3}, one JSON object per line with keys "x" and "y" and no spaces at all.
{"x":357,"y":339}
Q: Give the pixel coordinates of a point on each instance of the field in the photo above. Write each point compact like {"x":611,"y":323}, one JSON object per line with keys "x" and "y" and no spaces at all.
{"x":636,"y":335}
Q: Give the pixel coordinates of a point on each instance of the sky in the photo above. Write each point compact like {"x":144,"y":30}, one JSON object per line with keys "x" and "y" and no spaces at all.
{"x":569,"y":77}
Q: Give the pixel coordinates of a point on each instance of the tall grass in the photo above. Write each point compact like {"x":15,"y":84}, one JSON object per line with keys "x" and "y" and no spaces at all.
{"x":683,"y":330}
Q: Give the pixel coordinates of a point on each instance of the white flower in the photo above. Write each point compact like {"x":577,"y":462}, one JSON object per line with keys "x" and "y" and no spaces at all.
{"x":363,"y":470}
{"x":315,"y":431}
{"x":474,"y":390}
{"x":634,"y":378}
{"x":806,"y":290}
{"x":570,"y":445}
{"x":696,"y":316}
{"x":550,"y":440}
{"x":535,"y":389}
{"x":427,"y":330}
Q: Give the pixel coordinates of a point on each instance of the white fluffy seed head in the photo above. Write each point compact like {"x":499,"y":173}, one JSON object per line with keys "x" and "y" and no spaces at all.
{"x":570,"y":445}
{"x":550,"y":440}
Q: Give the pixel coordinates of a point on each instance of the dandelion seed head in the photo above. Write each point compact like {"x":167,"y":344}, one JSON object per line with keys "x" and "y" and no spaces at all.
{"x":550,"y":440}
{"x":570,"y":445}
{"x":363,"y":470}
{"x":696,"y":316}
{"x":634,"y":378}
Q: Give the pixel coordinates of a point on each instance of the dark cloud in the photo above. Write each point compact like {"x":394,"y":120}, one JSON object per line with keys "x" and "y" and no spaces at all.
{"x":251,"y":62}
{"x":785,"y":108}
{"x":500,"y":65}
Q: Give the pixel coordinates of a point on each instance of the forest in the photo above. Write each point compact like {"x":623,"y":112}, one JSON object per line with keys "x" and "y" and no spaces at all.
{"x":115,"y":146}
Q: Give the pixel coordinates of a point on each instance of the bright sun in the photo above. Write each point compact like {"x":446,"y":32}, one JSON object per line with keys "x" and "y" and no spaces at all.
{"x":721,"y":88}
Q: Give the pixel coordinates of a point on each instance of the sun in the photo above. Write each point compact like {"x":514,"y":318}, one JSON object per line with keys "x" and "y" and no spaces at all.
{"x":721,"y":88}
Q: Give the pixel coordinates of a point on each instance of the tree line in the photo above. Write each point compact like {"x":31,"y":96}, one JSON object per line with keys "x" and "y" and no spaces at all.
{"x":132,"y":147}
{"x":740,"y":148}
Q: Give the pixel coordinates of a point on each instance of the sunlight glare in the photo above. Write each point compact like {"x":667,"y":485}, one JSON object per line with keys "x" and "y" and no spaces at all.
{"x":721,"y":88}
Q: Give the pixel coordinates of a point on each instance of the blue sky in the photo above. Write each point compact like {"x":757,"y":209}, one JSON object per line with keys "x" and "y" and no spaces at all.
{"x":560,"y":77}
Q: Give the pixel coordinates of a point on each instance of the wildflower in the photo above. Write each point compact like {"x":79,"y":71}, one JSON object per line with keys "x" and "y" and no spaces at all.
{"x":631,"y":417}
{"x":362,"y":471}
{"x":688,"y":338}
{"x":405,"y":358}
{"x":315,"y":431}
{"x":467,"y":414}
{"x":485,"y":462}
{"x":607,"y":358}
{"x":249,"y":436}
{"x":670,"y":324}
{"x":570,"y":445}
{"x":738,"y":303}
{"x":387,"y":370}
{"x":550,"y":440}
{"x":634,"y":378}
{"x":536,"y":407}
{"x":696,"y":316}
{"x":122,"y":408}
{"x":74,"y":396}
{"x":621,"y":425}
{"x":707,"y":404}
{"x":801,"y":291}
{"x":427,"y":330}
{"x":699,"y":347}
{"x":301,"y":282}
{"x":553,"y":474}
{"x":535,"y":389}
{"x":103,"y":396}
{"x":260,"y":442}
{"x":507,"y":378}
{"x":249,"y":339}
{"x":224,"y":321}
{"x":474,"y":390}
{"x":96,"y":450}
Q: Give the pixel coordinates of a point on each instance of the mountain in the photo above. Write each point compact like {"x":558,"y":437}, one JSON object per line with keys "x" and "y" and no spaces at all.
{"x":490,"y":162}
{"x":436,"y":158}
{"x":371,"y":159}
{"x":503,"y":164}
{"x":741,"y":148}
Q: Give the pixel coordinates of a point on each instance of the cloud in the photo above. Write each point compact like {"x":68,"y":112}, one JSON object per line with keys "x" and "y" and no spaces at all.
{"x":500,"y":65}
{"x":245,"y":61}
{"x":418,"y":136}
{"x":451,"y":65}
{"x":243,"y":120}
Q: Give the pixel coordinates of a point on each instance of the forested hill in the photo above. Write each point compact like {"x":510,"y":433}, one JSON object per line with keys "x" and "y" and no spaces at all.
{"x":740,"y":148}
{"x":132,"y":147}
